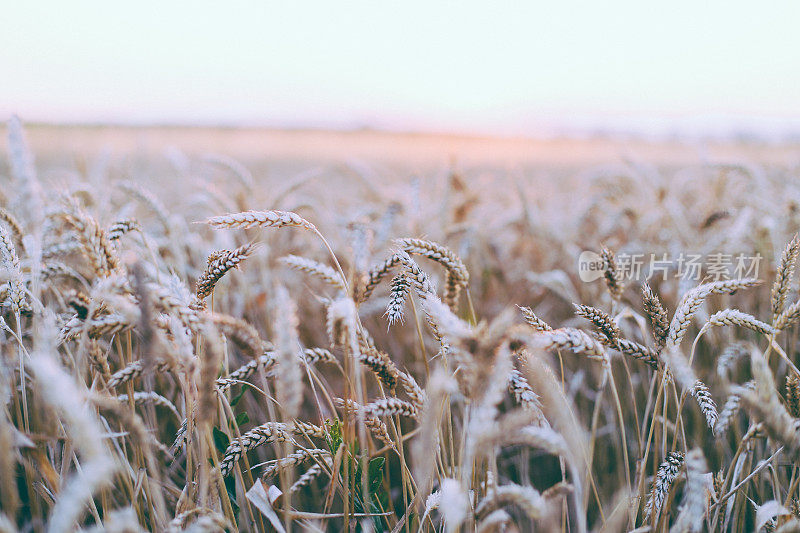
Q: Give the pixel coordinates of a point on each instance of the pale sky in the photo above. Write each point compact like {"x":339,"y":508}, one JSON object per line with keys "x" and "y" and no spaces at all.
{"x":484,"y":67}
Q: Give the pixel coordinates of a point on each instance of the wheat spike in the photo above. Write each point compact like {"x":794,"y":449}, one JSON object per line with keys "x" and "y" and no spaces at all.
{"x":783,"y":278}
{"x":706,"y":402}
{"x":526,"y":397}
{"x":265,"y":361}
{"x":376,"y":275}
{"x":397,"y":300}
{"x":602,"y":321}
{"x":788,"y":316}
{"x":793,"y":394}
{"x":527,"y":499}
{"x":694,"y":298}
{"x":730,"y":408}
{"x":318,"y":355}
{"x":569,"y":339}
{"x":219,"y":263}
{"x":310,"y":475}
{"x":294,"y":459}
{"x":374,"y":424}
{"x":269,"y":432}
{"x":637,"y":351}
{"x":695,"y":495}
{"x":734,"y":317}
{"x":657,"y":315}
{"x":141,"y":397}
{"x":667,"y":472}
{"x":120,"y":228}
{"x":764,"y":404}
{"x":457,"y":275}
{"x":323,"y":272}
{"x":730,"y":355}
{"x":534,"y":321}
{"x":260,"y":219}
{"x":391,"y":407}
{"x":612,"y":275}
{"x":13,"y":224}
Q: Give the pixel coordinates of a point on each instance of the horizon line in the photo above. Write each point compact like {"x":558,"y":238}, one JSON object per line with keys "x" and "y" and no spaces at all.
{"x":609,"y":132}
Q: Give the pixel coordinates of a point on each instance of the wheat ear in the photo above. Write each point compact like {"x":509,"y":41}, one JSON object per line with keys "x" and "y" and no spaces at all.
{"x":783,"y":278}
{"x":260,"y":219}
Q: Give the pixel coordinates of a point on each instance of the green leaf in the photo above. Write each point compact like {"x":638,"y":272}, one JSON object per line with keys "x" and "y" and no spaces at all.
{"x":221,"y":440}
{"x":230,"y":486}
{"x":238,"y":397}
{"x":242,"y":419}
{"x":375,"y":470}
{"x":334,"y":435}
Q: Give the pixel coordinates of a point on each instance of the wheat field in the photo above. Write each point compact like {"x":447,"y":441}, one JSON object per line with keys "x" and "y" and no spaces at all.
{"x":197,"y":342}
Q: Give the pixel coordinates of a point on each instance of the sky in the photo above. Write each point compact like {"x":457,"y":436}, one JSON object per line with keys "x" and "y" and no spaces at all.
{"x":507,"y":68}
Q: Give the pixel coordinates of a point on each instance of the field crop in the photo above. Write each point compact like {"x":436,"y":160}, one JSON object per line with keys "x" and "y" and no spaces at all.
{"x":187,"y":344}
